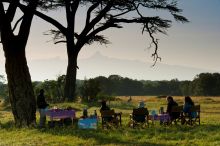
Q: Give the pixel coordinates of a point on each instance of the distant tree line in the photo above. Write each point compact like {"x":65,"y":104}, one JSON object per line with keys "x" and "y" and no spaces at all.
{"x":204,"y":84}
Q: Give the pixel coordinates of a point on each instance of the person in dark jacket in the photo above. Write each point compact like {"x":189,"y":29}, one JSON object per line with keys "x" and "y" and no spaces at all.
{"x":42,"y":106}
{"x":141,"y":118}
{"x":104,"y":106}
{"x":170,"y":105}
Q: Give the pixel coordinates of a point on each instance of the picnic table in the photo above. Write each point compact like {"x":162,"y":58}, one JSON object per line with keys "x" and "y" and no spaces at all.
{"x":163,"y":118}
{"x":61,"y":114}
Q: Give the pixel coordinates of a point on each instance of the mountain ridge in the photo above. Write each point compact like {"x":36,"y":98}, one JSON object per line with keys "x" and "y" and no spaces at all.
{"x":100,"y":65}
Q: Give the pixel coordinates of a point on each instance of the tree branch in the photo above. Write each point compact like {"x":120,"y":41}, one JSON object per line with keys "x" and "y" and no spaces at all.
{"x":2,"y":15}
{"x":59,"y":42}
{"x":71,"y":8}
{"x":123,"y":13}
{"x":101,"y":14}
{"x":90,"y":11}
{"x":46,"y":18}
{"x":27,"y":19}
{"x":19,"y":20}
{"x":155,"y":42}
{"x":12,"y":10}
{"x":68,"y":11}
{"x":96,"y":31}
{"x":74,"y":6}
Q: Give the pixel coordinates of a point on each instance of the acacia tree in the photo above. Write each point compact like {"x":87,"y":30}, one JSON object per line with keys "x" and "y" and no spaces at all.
{"x":100,"y":16}
{"x":21,"y":93}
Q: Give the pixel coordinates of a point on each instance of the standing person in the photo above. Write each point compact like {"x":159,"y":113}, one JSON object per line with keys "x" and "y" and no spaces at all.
{"x":170,"y":105}
{"x":42,"y":105}
{"x":188,"y":104}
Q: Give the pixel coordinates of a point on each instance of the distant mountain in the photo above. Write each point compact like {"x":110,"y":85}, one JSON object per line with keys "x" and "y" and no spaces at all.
{"x":135,"y":69}
{"x":99,"y":65}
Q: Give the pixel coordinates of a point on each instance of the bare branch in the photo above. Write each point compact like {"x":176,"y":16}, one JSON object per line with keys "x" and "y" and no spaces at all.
{"x":46,"y":18}
{"x":98,"y":30}
{"x":59,"y":42}
{"x":12,"y":10}
{"x":2,"y":13}
{"x":155,"y":42}
{"x":19,"y":20}
{"x":27,"y":20}
{"x":101,"y":14}
{"x":90,"y":11}
{"x":71,"y":8}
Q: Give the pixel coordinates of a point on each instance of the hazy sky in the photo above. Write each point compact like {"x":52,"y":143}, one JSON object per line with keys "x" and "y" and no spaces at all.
{"x":195,"y":44}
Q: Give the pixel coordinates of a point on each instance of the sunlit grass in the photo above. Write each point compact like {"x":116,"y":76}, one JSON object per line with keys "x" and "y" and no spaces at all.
{"x":207,"y":134}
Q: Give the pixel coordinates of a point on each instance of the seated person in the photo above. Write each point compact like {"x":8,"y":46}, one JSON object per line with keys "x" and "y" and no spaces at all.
{"x":170,"y":105}
{"x":103,"y":108}
{"x":141,"y":118}
{"x":188,"y":104}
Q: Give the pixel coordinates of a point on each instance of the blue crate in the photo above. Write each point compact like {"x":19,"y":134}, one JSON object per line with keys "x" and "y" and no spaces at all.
{"x":88,"y":123}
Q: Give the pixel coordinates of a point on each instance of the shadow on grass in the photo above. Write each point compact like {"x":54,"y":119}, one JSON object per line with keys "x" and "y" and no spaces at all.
{"x":138,"y":137}
{"x":126,"y":136}
{"x":8,"y":125}
{"x":102,"y":137}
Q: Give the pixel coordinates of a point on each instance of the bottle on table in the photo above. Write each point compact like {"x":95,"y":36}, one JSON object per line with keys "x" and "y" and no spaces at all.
{"x":85,"y":113}
{"x":95,"y":114}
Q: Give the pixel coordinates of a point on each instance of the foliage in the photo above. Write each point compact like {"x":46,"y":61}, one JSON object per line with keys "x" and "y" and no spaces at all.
{"x":106,"y":88}
{"x":89,"y":90}
{"x":206,"y":84}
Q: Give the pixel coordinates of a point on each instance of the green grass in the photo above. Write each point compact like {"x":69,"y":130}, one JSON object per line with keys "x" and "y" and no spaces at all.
{"x":207,"y":134}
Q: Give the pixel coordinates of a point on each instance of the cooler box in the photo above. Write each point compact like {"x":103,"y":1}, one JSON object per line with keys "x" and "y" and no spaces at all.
{"x":88,"y":123}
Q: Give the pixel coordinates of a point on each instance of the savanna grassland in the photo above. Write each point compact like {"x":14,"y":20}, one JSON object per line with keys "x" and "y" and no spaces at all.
{"x":207,"y":134}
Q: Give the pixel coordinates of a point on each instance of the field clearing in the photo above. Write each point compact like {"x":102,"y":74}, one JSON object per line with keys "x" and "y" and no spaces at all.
{"x":207,"y":134}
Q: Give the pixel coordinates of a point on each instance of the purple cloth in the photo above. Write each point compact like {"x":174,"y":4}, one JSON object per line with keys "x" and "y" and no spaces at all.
{"x":60,"y":114}
{"x":161,"y":117}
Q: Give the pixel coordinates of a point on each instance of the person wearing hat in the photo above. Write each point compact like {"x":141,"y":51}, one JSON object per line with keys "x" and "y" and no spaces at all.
{"x":141,"y":118}
{"x":141,"y":104}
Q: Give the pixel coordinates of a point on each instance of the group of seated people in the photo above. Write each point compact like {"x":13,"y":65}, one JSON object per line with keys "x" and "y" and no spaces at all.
{"x":188,"y":104}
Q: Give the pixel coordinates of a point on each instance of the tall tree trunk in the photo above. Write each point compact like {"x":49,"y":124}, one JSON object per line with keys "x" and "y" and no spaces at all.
{"x":70,"y":80}
{"x":21,"y":93}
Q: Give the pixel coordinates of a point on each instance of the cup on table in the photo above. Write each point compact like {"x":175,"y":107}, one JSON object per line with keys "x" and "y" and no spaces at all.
{"x":161,"y":111}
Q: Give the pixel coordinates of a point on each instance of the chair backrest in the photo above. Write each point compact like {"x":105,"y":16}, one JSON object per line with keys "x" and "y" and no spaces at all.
{"x":140,"y":111}
{"x":195,"y":108}
{"x":177,"y":109}
{"x":107,"y":113}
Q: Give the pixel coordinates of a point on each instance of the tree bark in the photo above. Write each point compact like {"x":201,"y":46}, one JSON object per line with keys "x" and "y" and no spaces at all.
{"x":21,"y":93}
{"x":70,"y":80}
